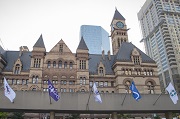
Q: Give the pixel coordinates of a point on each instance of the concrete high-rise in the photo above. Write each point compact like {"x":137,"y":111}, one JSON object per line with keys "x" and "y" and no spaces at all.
{"x":160,"y":26}
{"x":96,"y":38}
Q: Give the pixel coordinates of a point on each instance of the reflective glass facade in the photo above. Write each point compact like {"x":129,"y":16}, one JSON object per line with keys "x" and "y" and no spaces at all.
{"x":96,"y":38}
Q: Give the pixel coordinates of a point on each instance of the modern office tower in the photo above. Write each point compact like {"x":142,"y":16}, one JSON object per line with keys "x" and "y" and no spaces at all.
{"x":96,"y":38}
{"x":160,"y":26}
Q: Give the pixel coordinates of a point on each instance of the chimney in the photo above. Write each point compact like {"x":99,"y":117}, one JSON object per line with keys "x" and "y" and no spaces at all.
{"x":109,"y":55}
{"x":22,"y":49}
{"x":103,"y":57}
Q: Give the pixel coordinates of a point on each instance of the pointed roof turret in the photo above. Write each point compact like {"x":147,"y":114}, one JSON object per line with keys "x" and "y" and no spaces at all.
{"x":82,"y":45}
{"x":40,"y":42}
{"x":118,"y":16}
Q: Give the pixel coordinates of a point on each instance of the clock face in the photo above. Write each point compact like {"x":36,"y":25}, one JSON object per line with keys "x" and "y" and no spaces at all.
{"x":119,"y":24}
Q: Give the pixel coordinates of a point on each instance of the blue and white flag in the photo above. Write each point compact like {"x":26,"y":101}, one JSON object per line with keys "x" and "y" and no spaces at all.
{"x":97,"y":96}
{"x":52,"y":91}
{"x":135,"y":93}
{"x":8,"y":91}
{"x":172,"y":93}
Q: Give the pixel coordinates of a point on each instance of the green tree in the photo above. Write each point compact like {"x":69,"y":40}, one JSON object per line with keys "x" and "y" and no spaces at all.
{"x":3,"y":115}
{"x":18,"y":115}
{"x":157,"y":117}
{"x":74,"y":116}
{"x":123,"y":116}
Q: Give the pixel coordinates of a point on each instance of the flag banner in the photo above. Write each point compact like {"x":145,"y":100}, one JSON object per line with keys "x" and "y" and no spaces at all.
{"x":8,"y":91}
{"x":135,"y":93}
{"x":96,"y":94}
{"x":52,"y":91}
{"x":172,"y":93}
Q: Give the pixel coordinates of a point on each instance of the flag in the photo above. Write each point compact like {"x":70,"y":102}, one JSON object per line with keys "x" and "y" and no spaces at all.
{"x":52,"y":91}
{"x":135,"y":93}
{"x":97,"y":96}
{"x":172,"y":93}
{"x":8,"y":91}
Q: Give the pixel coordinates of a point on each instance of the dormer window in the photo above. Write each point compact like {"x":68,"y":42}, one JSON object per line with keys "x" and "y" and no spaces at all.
{"x":17,"y":69}
{"x":101,"y":71}
{"x":61,"y":48}
{"x":136,"y":60}
{"x":136,"y":57}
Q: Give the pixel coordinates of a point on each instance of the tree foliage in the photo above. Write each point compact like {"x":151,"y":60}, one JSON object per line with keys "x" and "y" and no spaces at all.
{"x":18,"y":115}
{"x":3,"y":115}
{"x":157,"y":117}
{"x":74,"y":116}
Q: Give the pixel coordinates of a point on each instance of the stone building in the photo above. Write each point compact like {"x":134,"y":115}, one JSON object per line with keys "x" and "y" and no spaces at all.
{"x":75,"y":72}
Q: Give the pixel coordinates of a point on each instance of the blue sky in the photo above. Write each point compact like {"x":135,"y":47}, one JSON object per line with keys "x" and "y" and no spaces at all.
{"x":23,"y":21}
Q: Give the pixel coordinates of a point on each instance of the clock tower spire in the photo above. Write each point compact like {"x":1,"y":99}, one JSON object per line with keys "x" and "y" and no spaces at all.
{"x":118,"y":31}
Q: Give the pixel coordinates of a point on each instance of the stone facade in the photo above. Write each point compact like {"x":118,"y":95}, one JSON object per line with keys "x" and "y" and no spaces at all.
{"x":76,"y":72}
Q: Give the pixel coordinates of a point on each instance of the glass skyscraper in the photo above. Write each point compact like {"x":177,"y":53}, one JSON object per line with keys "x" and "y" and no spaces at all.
{"x":96,"y":38}
{"x":160,"y":25}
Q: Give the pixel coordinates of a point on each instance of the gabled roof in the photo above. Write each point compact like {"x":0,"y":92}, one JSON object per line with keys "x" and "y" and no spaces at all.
{"x":39,"y":43}
{"x":82,"y":45}
{"x":124,"y":53}
{"x":95,"y":59}
{"x":118,"y":16}
{"x":12,"y":56}
{"x":55,"y":49}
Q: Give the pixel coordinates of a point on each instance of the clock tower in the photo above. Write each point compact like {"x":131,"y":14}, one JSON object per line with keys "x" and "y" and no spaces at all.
{"x":118,"y":31}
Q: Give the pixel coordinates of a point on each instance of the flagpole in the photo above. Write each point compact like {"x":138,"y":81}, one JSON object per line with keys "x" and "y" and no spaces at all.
{"x":87,"y":105}
{"x":124,"y":98}
{"x":50,"y":99}
{"x":160,"y":95}
{"x":157,"y":99}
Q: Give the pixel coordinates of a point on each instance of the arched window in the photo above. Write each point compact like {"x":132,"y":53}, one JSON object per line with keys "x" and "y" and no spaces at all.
{"x":17,"y":69}
{"x":65,"y":65}
{"x":54,"y":64}
{"x":49,"y":64}
{"x":101,"y":71}
{"x":70,"y":65}
{"x":150,"y":87}
{"x":60,"y":64}
{"x":35,"y":79}
{"x":84,"y":80}
{"x":145,"y":72}
{"x":138,"y":71}
{"x":130,"y":71}
{"x":151,"y":72}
